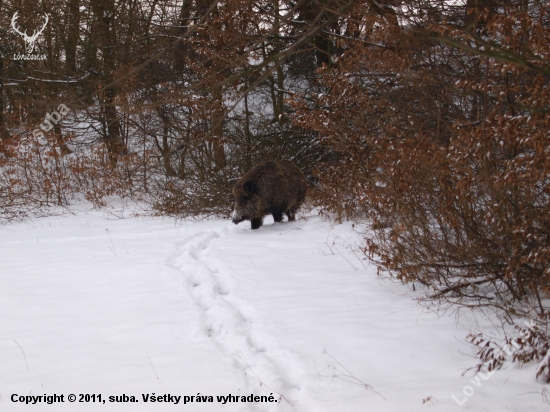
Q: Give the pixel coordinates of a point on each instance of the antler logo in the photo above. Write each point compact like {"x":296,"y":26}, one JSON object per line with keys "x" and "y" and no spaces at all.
{"x":29,"y":40}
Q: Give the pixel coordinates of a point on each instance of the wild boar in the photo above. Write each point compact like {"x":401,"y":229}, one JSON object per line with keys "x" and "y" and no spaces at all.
{"x":275,"y":188}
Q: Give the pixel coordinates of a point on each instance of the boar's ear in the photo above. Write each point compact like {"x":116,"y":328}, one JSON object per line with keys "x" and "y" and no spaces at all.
{"x":250,"y":187}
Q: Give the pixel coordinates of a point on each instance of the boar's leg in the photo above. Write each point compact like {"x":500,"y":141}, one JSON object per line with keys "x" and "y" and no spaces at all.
{"x":277,"y":214}
{"x":277,"y":217}
{"x":256,"y":223}
{"x":291,"y":214}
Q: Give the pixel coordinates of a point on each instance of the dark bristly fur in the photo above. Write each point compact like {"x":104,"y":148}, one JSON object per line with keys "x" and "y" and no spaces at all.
{"x":275,"y":188}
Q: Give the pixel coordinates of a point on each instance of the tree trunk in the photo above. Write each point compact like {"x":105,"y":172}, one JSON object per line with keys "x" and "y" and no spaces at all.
{"x":73,"y":24}
{"x":217,"y":129}
{"x":112,"y":137}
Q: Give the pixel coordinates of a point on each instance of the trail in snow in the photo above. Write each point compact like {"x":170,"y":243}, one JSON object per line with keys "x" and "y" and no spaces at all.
{"x":142,"y":306}
{"x":228,"y":320}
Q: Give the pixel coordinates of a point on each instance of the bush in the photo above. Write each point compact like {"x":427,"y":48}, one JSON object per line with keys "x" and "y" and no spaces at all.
{"x":440,"y":137}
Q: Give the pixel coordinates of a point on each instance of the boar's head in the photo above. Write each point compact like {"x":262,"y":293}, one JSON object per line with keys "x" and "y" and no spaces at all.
{"x":245,"y":201}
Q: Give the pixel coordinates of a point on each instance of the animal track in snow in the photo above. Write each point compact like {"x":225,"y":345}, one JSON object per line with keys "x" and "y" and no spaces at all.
{"x":226,"y":318}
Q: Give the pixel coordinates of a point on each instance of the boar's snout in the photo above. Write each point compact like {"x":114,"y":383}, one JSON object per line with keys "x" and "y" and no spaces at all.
{"x":236,"y":217}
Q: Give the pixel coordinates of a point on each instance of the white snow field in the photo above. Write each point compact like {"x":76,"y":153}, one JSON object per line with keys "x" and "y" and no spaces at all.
{"x":95,"y":304}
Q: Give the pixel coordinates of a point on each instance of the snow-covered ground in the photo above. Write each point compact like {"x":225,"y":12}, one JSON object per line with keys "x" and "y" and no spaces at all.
{"x":95,"y":304}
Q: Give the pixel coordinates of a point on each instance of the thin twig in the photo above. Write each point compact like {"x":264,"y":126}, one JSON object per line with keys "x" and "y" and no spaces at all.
{"x":259,"y":380}
{"x":252,"y":262}
{"x":358,"y":258}
{"x":345,"y":258}
{"x":356,"y":381}
{"x":23,"y":353}
{"x":112,"y":244}
{"x":154,"y":370}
